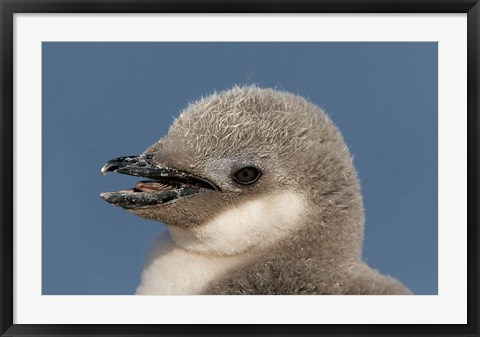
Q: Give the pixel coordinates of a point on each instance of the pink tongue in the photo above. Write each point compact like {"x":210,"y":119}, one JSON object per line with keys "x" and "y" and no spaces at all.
{"x":152,"y":187}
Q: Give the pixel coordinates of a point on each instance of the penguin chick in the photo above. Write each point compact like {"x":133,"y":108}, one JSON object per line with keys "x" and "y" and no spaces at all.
{"x":260,"y":196}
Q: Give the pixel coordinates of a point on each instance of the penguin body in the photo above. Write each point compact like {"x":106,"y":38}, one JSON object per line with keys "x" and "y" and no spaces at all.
{"x":260,"y":196}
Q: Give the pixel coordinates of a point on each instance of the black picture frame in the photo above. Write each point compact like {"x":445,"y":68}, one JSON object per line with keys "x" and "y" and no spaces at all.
{"x":10,"y":7}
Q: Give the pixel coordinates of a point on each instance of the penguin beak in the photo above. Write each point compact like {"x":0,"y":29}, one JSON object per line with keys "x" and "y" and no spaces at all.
{"x":165,"y":184}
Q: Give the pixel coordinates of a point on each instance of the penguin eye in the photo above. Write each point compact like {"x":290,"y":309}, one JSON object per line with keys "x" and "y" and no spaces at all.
{"x":247,"y":175}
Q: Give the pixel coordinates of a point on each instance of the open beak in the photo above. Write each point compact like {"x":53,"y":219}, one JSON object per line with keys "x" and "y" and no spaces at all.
{"x":164,"y":184}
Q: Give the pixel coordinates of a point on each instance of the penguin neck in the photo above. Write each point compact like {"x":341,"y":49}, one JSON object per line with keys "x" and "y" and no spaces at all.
{"x":207,"y":252}
{"x":336,"y":226}
{"x":248,"y":227}
{"x":329,"y":225}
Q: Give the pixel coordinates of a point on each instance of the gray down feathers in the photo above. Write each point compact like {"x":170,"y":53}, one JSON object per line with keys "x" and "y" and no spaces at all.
{"x":304,"y":152}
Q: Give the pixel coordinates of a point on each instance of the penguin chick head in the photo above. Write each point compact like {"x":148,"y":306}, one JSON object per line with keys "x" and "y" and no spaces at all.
{"x":241,"y":169}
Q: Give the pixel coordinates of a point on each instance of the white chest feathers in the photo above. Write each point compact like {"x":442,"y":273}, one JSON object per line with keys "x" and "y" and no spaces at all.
{"x":171,"y":270}
{"x":185,"y":262}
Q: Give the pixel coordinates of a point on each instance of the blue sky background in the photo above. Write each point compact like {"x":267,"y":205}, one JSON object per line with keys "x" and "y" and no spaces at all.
{"x":104,"y":100}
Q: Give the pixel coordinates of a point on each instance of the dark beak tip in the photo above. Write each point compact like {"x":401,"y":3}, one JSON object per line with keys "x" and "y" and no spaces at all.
{"x":109,"y":197}
{"x":106,"y":168}
{"x":117,"y":163}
